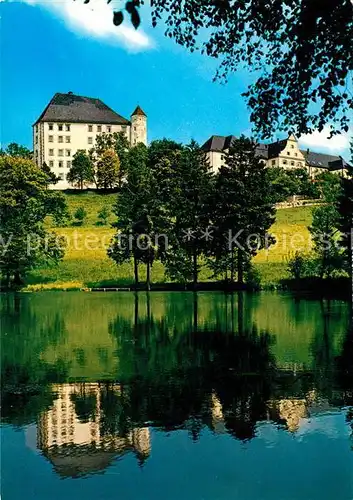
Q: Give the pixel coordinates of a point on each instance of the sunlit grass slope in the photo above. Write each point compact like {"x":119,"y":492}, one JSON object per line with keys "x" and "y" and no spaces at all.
{"x":87,"y":265}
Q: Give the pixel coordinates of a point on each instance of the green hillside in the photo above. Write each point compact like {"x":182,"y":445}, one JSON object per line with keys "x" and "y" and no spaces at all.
{"x":87,"y":265}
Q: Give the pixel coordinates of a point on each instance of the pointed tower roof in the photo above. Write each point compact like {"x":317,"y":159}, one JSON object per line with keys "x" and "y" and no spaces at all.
{"x":138,"y":111}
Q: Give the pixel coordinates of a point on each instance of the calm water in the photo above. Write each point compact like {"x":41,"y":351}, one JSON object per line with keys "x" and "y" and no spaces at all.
{"x":176,"y":396}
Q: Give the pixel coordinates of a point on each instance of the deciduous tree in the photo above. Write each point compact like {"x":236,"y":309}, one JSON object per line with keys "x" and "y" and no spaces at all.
{"x":108,"y":170}
{"x":17,"y":151}
{"x":25,"y":202}
{"x":82,"y":170}
{"x":300,"y":51}
{"x":325,"y":238}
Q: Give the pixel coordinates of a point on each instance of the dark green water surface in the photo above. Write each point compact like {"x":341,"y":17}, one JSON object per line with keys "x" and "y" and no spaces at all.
{"x":176,"y":396}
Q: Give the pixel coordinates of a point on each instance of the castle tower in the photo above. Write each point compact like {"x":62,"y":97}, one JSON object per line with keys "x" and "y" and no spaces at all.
{"x":138,"y":127}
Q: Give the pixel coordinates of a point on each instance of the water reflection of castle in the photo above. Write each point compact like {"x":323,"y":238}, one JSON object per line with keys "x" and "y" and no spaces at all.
{"x":84,"y":431}
{"x":75,"y":443}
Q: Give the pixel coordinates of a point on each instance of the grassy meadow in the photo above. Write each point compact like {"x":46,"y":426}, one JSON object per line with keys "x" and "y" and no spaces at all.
{"x":87,"y":265}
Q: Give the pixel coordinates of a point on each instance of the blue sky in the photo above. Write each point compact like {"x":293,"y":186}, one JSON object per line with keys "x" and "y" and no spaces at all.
{"x":46,"y":50}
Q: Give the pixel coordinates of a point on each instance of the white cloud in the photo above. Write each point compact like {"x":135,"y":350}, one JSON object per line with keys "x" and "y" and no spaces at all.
{"x":318,"y":141}
{"x":96,"y":19}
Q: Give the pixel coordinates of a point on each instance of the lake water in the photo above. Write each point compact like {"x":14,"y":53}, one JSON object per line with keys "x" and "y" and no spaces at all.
{"x":176,"y":396}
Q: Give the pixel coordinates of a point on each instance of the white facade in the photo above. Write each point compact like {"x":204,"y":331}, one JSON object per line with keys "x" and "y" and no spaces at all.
{"x":288,"y":158}
{"x":138,"y":129}
{"x":56,"y":142}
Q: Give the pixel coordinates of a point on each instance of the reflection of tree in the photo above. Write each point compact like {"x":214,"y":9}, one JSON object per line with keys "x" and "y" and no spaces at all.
{"x":170,"y":375}
{"x":344,"y":368}
{"x":26,"y":393}
{"x":85,"y":404}
{"x":25,"y":378}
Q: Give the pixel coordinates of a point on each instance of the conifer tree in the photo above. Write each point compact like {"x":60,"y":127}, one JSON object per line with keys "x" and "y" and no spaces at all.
{"x":190,"y":205}
{"x":243,"y":208}
{"x":139,"y":215}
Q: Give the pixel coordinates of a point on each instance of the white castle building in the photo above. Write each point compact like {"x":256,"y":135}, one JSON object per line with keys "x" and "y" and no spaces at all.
{"x":285,"y":153}
{"x":71,"y":122}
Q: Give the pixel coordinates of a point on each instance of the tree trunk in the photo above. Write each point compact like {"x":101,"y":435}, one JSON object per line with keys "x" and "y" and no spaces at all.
{"x":240,"y":267}
{"x":148,"y":275}
{"x":17,"y":279}
{"x":323,"y":265}
{"x":136,"y":271}
{"x":7,"y":280}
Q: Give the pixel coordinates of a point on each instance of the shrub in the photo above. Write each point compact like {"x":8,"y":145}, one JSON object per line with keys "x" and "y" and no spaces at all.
{"x":103,"y":216}
{"x":253,"y":277}
{"x":80,"y":215}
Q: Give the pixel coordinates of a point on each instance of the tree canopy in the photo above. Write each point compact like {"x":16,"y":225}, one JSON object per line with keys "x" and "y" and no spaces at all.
{"x":301,"y":53}
{"x":25,"y":202}
{"x":17,"y":150}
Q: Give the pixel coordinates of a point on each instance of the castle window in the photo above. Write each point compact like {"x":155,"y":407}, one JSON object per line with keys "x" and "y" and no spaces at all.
{"x":51,"y":164}
{"x":36,"y":139}
{"x":295,"y":154}
{"x":284,"y":162}
{"x":288,"y":153}
{"x":90,"y":128}
{"x":60,"y":127}
{"x":68,"y":139}
{"x":68,"y":152}
{"x":60,"y":164}
{"x":292,"y":146}
{"x":90,"y":140}
{"x":292,"y":163}
{"x":51,"y":152}
{"x":51,"y":138}
{"x":109,"y":129}
{"x":60,"y":152}
{"x":299,"y":164}
{"x":273,"y":162}
{"x":67,"y":127}
{"x":68,"y":164}
{"x":60,"y":138}
{"x":51,"y":127}
{"x":99,"y":128}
